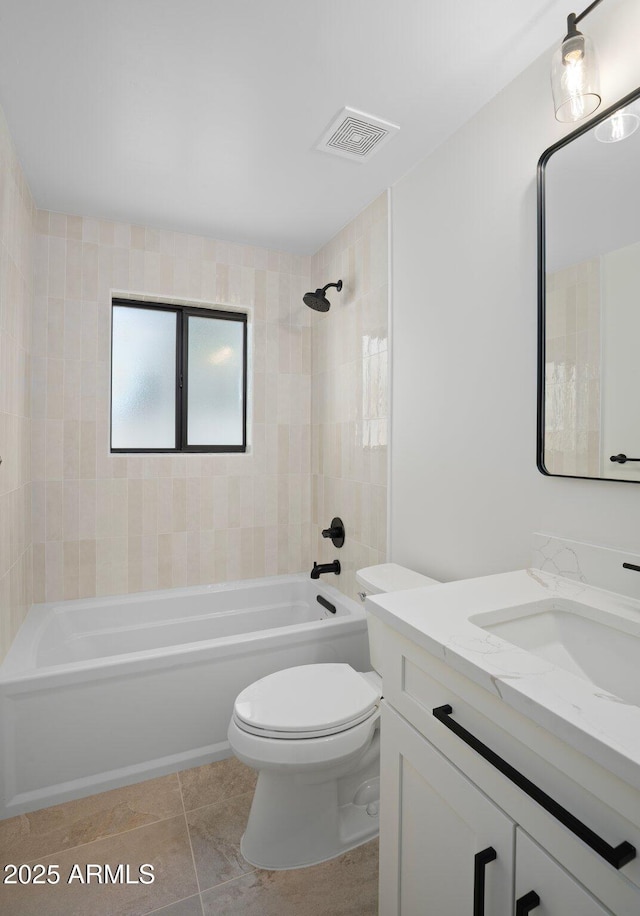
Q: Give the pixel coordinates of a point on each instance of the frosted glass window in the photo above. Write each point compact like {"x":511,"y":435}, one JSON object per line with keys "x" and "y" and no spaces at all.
{"x":143,"y":378}
{"x":215,"y":386}
{"x":178,"y":379}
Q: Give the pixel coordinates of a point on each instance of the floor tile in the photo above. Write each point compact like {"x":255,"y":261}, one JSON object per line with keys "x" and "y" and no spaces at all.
{"x":190,"y":907}
{"x":165,"y":845}
{"x":215,"y":782}
{"x":346,"y":886}
{"x":215,"y":836}
{"x":51,"y":830}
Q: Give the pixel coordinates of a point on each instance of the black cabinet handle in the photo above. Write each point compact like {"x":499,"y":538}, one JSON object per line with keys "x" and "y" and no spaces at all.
{"x":527,"y":903}
{"x":615,"y":855}
{"x":480,"y":862}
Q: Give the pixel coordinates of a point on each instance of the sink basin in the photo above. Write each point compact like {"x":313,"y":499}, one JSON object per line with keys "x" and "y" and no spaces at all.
{"x":593,"y":644}
{"x":560,"y":653}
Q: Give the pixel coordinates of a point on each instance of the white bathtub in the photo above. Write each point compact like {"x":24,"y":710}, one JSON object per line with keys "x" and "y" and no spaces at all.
{"x":100,"y":693}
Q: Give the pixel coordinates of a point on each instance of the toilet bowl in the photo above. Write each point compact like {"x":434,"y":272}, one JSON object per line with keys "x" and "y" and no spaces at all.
{"x":313,"y":734}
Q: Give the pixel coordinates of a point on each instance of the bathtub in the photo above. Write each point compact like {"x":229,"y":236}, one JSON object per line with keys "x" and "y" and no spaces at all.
{"x":100,"y":693}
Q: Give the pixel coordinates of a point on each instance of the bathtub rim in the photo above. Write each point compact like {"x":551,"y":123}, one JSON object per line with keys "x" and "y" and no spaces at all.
{"x":18,"y":667}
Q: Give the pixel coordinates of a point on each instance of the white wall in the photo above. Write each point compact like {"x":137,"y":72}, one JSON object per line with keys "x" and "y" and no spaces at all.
{"x":466,"y":493}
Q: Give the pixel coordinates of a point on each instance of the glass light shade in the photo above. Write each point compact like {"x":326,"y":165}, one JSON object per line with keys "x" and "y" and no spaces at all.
{"x":575,"y":82}
{"x":618,"y":127}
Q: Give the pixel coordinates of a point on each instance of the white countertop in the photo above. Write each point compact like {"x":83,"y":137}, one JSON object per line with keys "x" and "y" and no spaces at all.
{"x":593,"y":721}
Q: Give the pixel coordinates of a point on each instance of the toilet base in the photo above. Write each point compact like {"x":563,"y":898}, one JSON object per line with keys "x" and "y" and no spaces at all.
{"x":302,"y":820}
{"x":364,"y":837}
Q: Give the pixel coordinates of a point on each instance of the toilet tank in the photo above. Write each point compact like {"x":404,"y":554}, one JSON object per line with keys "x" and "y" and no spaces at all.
{"x":378,"y":580}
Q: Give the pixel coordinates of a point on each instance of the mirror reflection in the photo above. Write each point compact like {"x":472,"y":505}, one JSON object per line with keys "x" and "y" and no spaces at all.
{"x":589,"y":392}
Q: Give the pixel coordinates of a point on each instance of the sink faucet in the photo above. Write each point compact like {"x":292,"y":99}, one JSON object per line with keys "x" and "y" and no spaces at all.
{"x":319,"y":569}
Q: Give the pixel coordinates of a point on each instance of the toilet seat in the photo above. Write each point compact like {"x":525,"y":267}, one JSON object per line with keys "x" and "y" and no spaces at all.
{"x":309,"y":701}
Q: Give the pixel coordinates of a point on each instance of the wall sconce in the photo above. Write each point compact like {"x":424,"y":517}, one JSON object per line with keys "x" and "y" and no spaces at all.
{"x":574,"y":73}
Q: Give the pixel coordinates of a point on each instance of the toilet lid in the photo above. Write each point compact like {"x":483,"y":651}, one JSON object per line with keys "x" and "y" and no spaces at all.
{"x":306,"y":701}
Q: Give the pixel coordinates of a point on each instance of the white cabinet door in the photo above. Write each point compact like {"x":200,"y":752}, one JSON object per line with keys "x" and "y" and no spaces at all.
{"x":544,"y":888}
{"x":433,"y":823}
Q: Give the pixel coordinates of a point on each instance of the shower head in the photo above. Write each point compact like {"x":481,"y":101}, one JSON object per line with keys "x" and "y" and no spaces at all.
{"x":318,"y":301}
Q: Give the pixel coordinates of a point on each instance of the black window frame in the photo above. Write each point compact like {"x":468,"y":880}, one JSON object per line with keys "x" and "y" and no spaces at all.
{"x":183,"y":312}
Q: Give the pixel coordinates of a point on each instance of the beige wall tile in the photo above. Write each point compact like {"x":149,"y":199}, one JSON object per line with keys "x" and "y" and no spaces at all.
{"x":167,"y":497}
{"x":348,"y":438}
{"x":86,"y":568}
{"x":167,"y":502}
{"x":125,"y":524}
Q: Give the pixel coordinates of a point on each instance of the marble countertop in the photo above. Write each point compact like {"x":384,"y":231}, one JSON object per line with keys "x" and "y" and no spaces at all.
{"x":590,"y":719}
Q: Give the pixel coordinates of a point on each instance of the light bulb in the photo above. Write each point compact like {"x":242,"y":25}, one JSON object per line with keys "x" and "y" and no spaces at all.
{"x":573,"y":82}
{"x":573,"y":49}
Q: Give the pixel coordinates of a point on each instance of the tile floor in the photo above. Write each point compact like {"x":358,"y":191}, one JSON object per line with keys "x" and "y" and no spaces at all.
{"x":188,"y":826}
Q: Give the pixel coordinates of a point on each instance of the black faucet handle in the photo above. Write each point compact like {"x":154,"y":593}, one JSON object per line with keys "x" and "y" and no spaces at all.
{"x":335,"y":532}
{"x":331,"y":532}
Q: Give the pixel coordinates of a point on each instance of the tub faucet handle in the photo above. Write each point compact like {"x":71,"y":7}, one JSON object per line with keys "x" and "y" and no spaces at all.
{"x":335,"y":532}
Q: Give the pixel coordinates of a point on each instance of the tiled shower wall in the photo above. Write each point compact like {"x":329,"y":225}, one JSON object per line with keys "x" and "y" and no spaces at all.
{"x":16,"y":271}
{"x":349,"y":394}
{"x":107,"y":524}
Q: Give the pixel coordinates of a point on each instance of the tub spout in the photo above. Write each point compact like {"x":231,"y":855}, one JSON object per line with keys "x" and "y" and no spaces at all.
{"x":320,"y":568}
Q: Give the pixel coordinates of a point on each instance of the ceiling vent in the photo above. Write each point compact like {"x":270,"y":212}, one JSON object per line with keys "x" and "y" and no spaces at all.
{"x":356,"y":135}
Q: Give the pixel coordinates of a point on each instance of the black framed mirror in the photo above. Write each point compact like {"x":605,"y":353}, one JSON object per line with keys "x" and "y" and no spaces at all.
{"x":589,"y":299}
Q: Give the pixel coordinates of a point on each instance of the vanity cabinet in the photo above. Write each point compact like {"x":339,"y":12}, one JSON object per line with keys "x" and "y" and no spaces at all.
{"x":433,"y":824}
{"x":447,"y":850}
{"x":427,"y":706}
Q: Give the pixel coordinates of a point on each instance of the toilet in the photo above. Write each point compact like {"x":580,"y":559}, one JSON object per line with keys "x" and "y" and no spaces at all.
{"x":313,"y":734}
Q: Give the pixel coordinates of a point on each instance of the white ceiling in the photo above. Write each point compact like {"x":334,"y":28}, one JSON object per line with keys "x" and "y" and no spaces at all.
{"x":203,"y":115}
